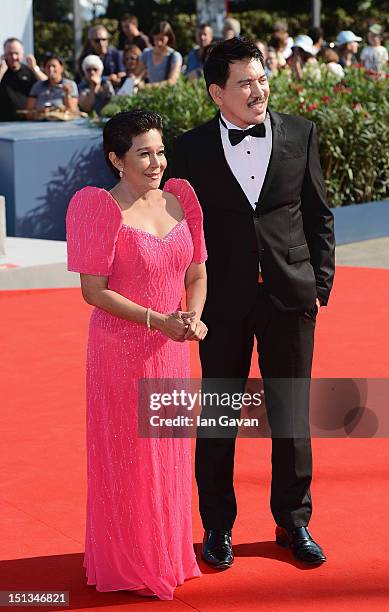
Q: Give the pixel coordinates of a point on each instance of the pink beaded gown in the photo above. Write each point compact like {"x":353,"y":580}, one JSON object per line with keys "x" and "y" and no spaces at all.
{"x":139,"y":525}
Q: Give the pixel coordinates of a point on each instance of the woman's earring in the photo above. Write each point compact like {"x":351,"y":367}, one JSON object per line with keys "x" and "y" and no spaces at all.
{"x":121,"y":173}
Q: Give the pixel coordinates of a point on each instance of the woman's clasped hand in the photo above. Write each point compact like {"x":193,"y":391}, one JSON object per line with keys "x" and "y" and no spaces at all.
{"x":180,"y":325}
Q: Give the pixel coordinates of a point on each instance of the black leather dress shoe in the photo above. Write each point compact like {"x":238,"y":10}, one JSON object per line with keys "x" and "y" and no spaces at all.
{"x":217,"y":548}
{"x":300,"y":541}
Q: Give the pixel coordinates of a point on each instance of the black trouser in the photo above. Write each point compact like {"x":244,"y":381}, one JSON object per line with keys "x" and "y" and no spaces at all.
{"x":285,"y":347}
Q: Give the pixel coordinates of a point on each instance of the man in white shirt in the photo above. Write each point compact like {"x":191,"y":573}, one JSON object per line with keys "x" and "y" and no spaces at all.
{"x":242,"y":158}
{"x":270,"y":242}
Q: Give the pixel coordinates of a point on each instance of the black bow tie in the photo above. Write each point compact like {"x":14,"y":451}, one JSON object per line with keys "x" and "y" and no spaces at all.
{"x":236,"y":136}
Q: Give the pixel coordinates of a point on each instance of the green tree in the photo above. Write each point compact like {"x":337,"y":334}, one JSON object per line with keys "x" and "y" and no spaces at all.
{"x":47,"y":10}
{"x":304,"y":6}
{"x":149,"y":11}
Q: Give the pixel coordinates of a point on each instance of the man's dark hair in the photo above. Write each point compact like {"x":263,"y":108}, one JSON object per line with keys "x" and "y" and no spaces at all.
{"x":123,"y":127}
{"x":11,"y":40}
{"x":316,"y":34}
{"x":202,"y":26}
{"x":128,"y":17}
{"x":222,"y":54}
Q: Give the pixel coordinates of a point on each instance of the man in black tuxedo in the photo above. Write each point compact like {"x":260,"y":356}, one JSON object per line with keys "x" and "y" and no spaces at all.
{"x":270,"y":242}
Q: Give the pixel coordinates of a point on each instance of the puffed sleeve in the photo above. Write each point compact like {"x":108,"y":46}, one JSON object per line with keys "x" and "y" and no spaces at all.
{"x":93,"y":222}
{"x":184,"y":191}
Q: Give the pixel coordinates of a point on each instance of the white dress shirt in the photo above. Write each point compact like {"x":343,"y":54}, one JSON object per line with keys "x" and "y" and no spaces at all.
{"x":249,"y":159}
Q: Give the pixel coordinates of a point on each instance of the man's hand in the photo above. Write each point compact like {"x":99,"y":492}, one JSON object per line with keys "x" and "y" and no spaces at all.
{"x":318,"y":304}
{"x":31,"y":61}
{"x":3,"y":66}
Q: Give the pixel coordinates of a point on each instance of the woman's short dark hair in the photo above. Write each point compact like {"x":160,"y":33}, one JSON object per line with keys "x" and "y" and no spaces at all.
{"x":164,"y":27}
{"x":222,"y":54}
{"x":52,"y":56}
{"x":316,"y":34}
{"x":121,"y":128}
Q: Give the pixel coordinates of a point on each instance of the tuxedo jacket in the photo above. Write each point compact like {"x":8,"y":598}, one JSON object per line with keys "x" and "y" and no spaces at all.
{"x":290,"y":232}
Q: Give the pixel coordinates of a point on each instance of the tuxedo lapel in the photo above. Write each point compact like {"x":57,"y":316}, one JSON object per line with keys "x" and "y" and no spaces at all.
{"x":278,"y":141}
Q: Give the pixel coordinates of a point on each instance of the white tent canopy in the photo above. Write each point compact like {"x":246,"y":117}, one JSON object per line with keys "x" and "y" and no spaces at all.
{"x":16,"y":21}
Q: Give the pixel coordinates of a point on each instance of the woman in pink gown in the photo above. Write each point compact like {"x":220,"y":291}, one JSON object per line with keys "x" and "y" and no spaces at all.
{"x":137,"y":248}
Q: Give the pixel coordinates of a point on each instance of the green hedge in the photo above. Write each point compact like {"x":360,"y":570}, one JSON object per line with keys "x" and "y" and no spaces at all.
{"x":182,"y":107}
{"x":352,"y":119}
{"x":353,"y":123}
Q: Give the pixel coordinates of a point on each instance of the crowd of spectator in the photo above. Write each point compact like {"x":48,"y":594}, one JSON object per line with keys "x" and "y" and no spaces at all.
{"x":303,"y":54}
{"x":140,"y":61}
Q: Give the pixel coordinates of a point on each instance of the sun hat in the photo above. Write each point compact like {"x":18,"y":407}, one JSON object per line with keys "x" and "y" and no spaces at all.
{"x":375,"y":28}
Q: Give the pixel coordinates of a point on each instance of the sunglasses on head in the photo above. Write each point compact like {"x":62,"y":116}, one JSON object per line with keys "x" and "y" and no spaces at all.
{"x":97,"y":40}
{"x":132,"y":57}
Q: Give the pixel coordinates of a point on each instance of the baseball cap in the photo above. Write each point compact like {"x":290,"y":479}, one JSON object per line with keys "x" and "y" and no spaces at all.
{"x":305,"y":43}
{"x":346,"y":36}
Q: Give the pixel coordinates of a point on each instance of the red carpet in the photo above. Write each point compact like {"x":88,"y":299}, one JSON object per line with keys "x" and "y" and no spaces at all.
{"x":42,"y":480}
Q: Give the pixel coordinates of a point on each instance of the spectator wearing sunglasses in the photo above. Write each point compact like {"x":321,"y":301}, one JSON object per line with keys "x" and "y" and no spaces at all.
{"x":98,"y":44}
{"x":95,"y":90}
